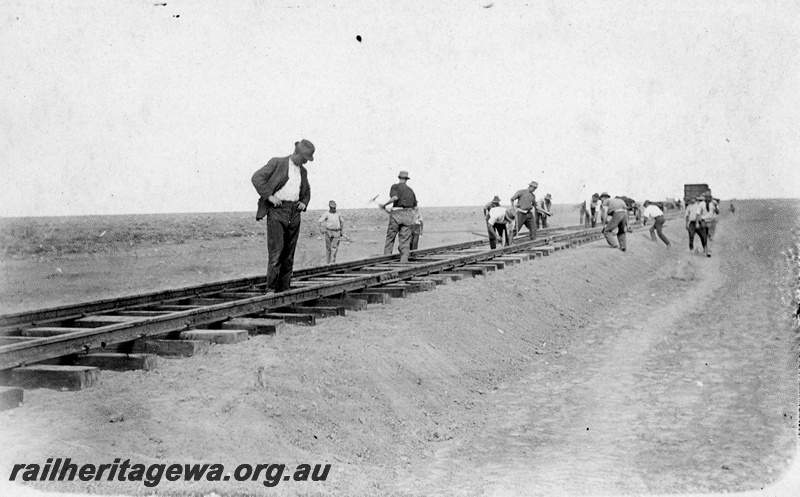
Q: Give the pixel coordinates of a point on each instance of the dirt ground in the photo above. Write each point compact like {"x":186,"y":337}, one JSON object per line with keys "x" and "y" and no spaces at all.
{"x":592,"y":371}
{"x":53,"y":261}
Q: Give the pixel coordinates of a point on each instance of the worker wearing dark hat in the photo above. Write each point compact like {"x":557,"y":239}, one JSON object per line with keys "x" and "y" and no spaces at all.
{"x":524,"y":202}
{"x":401,"y":216}
{"x":495,"y":202}
{"x":331,"y":225}
{"x":617,"y":209}
{"x":284,"y":193}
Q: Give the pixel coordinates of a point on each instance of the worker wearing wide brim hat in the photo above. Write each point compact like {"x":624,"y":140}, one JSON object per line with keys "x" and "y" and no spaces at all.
{"x":284,"y":193}
{"x":401,"y":216}
{"x":492,"y":203}
{"x":524,"y":202}
{"x":544,"y":211}
{"x":495,"y":202}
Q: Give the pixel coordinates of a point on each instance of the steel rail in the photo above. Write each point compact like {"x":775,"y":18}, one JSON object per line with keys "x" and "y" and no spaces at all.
{"x":13,"y":321}
{"x":40,"y":349}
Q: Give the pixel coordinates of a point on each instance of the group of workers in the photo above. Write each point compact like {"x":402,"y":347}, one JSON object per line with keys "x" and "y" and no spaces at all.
{"x":284,"y":192}
{"x":701,"y":219}
{"x":502,"y":223}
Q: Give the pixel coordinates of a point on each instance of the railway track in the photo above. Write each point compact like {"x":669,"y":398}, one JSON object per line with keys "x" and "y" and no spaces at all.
{"x":48,"y":339}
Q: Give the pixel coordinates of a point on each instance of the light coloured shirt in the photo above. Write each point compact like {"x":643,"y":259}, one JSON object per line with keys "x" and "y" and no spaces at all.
{"x":692,"y":211}
{"x":545,"y":205}
{"x":615,"y":204}
{"x":652,"y":211}
{"x":497,"y":215}
{"x":331,"y":221}
{"x":708,"y":212}
{"x":291,"y":190}
{"x":525,"y":200}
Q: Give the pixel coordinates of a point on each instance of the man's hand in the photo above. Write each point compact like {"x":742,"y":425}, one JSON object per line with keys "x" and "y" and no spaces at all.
{"x":300,"y":206}
{"x":275,"y":201}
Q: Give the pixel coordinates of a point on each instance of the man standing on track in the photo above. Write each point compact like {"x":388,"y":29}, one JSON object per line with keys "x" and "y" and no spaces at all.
{"x":651,"y":211}
{"x":618,"y":210}
{"x":284,"y":193}
{"x":331,"y":225}
{"x":401,"y":217}
{"x":524,"y":202}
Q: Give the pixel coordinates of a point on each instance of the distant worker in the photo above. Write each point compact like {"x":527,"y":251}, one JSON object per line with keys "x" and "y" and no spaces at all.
{"x":495,"y":202}
{"x":401,"y":217}
{"x":732,"y":207}
{"x":711,"y":208}
{"x":544,"y":211}
{"x":617,"y":209}
{"x":331,"y":226}
{"x":284,"y":193}
{"x":708,"y":218}
{"x":499,"y":223}
{"x":588,"y":211}
{"x":692,"y":215}
{"x":524,"y":202}
{"x":416,"y":229}
{"x":652,"y":212}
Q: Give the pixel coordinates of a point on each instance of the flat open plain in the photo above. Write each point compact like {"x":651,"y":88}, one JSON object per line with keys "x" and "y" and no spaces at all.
{"x":591,"y":371}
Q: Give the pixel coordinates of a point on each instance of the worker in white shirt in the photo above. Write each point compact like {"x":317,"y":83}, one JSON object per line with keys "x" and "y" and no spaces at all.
{"x":656,"y":215}
{"x":499,"y":224}
{"x":331,"y":225}
{"x":692,"y":215}
{"x":708,"y":218}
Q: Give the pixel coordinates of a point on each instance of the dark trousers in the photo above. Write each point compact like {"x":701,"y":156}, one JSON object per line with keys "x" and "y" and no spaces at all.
{"x":701,"y":232}
{"x":400,"y":223}
{"x":527,"y":220}
{"x":658,"y":224}
{"x":283,"y":230}
{"x":619,"y":221}
{"x":541,"y":220}
{"x":496,"y":233}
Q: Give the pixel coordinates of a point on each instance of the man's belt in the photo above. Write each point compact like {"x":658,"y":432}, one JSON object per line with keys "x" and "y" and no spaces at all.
{"x":401,"y":208}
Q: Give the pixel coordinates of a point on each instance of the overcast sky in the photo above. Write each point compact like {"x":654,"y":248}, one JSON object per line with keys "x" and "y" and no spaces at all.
{"x":135,"y":107}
